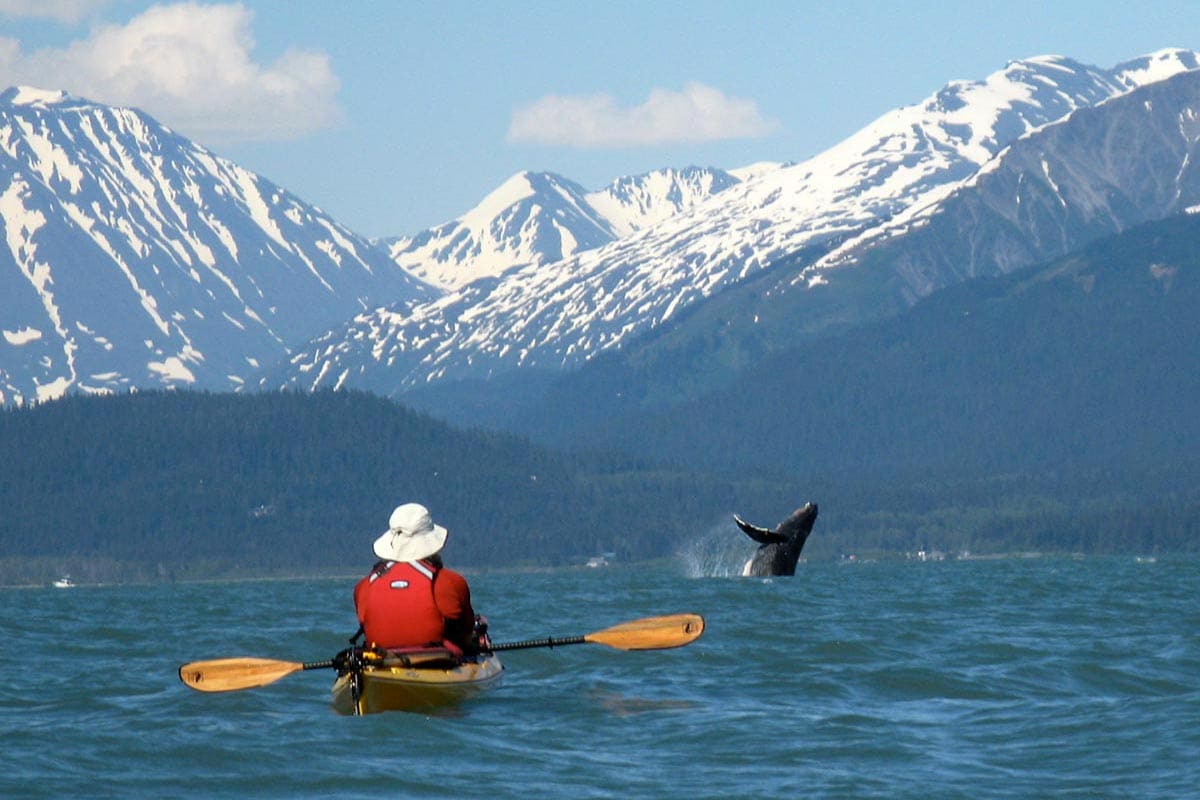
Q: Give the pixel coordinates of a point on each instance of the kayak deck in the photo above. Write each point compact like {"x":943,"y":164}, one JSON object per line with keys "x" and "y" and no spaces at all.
{"x":414,"y":688}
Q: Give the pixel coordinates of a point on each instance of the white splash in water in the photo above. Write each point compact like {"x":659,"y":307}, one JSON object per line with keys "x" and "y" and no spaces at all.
{"x":719,"y":552}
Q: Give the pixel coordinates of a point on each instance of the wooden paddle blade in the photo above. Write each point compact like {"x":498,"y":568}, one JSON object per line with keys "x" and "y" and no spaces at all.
{"x":231,"y":674}
{"x":651,"y":633}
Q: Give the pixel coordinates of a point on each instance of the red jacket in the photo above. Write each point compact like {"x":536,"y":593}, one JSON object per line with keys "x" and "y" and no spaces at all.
{"x":413,"y":604}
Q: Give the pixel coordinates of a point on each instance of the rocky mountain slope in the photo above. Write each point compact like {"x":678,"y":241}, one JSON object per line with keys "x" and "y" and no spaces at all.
{"x":1080,"y":365}
{"x":541,"y":218}
{"x":132,"y":257}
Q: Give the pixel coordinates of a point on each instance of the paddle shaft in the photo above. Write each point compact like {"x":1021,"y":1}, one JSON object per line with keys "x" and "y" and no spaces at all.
{"x":651,"y":633}
{"x":549,"y":641}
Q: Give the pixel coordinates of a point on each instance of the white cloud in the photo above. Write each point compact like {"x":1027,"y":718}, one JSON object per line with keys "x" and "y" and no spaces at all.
{"x":191,"y":67}
{"x":699,"y":113}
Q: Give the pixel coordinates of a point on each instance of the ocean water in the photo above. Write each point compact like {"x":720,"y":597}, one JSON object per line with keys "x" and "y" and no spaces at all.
{"x":1021,"y":678}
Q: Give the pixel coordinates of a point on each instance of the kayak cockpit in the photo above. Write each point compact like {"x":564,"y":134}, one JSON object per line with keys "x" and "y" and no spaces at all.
{"x":370,"y":681}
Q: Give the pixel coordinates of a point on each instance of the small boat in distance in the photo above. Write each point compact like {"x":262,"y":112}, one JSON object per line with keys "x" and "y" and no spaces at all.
{"x":64,"y":582}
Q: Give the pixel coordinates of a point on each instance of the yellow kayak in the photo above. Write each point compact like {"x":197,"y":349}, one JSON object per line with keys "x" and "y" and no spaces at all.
{"x":372,"y":679}
{"x":399,"y":687}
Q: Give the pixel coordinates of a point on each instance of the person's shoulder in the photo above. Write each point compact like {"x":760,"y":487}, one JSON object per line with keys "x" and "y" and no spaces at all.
{"x":447,"y":574}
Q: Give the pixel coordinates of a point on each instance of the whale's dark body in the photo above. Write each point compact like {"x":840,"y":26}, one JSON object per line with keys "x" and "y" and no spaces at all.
{"x":779,"y":549}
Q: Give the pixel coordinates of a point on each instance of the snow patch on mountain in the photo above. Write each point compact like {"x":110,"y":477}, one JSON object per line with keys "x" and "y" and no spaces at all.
{"x":635,"y":203}
{"x":32,"y":96}
{"x":532,"y":218}
{"x":540,"y":218}
{"x":1156,"y":66}
{"x":753,"y":171}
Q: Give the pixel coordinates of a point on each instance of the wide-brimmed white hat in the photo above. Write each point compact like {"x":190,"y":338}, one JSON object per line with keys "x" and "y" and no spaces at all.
{"x":411,"y":535}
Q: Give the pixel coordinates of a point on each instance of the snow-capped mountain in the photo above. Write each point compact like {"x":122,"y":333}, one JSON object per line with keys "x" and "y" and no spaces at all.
{"x":636,"y":203}
{"x":1119,"y":164}
{"x":132,"y":257}
{"x":556,"y":316}
{"x":1130,"y":160}
{"x":540,"y":218}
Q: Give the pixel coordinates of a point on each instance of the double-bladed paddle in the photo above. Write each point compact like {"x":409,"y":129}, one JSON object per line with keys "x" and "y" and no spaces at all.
{"x":650,"y":633}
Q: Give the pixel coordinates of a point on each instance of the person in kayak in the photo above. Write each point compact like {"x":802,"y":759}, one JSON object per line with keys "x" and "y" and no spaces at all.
{"x":409,"y":598}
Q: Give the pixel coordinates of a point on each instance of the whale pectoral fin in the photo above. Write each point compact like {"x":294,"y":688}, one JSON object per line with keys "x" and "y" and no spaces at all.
{"x":760,"y":535}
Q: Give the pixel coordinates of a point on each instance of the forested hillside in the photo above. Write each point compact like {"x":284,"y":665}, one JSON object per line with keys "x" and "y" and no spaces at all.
{"x":165,"y":486}
{"x":171,"y":485}
{"x":1082,"y":366}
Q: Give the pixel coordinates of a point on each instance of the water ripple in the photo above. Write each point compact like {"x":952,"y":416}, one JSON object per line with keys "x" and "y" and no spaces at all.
{"x":1015,"y":678}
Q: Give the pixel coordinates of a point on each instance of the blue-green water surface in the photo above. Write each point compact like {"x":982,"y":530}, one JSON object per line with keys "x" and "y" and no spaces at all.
{"x":1009,"y":678}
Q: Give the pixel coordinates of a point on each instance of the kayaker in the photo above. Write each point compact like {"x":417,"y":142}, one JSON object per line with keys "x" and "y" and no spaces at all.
{"x":409,"y":598}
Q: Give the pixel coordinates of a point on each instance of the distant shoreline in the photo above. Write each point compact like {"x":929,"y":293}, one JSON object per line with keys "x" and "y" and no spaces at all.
{"x":349,"y":574}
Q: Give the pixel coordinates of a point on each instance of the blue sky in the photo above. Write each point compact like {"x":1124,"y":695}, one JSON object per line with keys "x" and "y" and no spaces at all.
{"x":396,"y":116}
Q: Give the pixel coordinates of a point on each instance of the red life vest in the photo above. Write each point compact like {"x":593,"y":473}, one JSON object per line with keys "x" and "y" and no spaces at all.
{"x":396,"y":606}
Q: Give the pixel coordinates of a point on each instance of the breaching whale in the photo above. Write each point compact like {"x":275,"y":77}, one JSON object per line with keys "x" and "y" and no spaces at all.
{"x":779,"y":549}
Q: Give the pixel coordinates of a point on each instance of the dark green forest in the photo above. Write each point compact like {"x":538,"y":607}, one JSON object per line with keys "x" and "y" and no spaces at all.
{"x":176,"y":485}
{"x":173,"y":485}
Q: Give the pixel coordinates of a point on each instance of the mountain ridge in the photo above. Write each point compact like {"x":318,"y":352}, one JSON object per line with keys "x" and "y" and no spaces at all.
{"x":133,"y":257}
{"x":136,"y":258}
{"x":558,"y":316}
{"x":1077,"y":364}
{"x":541,"y":218}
